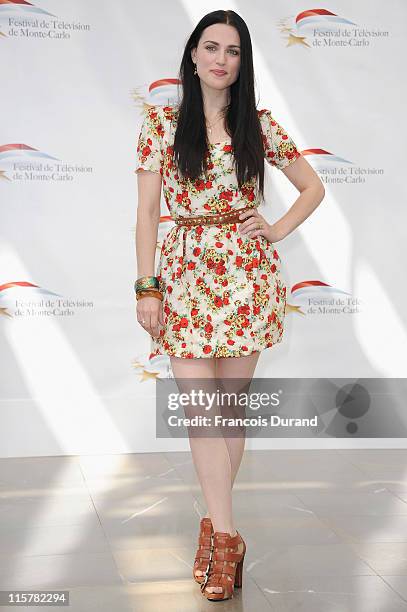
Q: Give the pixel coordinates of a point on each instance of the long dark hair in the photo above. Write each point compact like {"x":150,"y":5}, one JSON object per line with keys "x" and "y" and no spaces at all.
{"x":242,"y":122}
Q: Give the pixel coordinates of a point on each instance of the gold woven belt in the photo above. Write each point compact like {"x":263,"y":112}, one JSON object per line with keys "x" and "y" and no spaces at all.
{"x":227,"y":217}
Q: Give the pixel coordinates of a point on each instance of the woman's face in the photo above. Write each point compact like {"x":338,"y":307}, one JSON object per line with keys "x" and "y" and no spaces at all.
{"x":218,"y":50}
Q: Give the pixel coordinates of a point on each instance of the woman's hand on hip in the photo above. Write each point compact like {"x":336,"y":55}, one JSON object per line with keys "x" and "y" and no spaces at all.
{"x":254,"y":224}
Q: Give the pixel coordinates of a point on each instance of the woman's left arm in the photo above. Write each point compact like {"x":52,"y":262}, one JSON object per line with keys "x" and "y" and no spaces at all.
{"x":302,"y":175}
{"x":312,"y":191}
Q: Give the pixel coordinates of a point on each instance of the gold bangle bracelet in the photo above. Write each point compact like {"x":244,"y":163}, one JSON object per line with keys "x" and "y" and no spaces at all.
{"x":146,"y":282}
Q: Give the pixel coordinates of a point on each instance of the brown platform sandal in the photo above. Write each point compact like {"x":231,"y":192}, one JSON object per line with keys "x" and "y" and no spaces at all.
{"x":225,"y":567}
{"x":204,"y":549}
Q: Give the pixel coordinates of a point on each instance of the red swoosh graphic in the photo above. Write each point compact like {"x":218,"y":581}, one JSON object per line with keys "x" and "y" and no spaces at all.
{"x":16,"y":283}
{"x":314,"y":12}
{"x":310,"y":283}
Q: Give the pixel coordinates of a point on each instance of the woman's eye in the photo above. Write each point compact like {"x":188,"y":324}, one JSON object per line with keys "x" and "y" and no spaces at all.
{"x":234,"y":52}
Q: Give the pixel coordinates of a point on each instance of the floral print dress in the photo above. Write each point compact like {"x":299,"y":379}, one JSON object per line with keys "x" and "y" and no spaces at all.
{"x":224,"y":295}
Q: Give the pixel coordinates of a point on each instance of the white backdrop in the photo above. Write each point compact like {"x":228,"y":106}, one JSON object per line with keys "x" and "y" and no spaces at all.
{"x":75,"y":371}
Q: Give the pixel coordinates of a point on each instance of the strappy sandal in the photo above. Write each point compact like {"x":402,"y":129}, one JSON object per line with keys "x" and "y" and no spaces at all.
{"x":204,"y":549}
{"x":225,"y":566}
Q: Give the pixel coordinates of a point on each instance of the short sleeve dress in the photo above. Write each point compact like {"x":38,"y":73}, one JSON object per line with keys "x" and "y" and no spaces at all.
{"x":224,"y":295}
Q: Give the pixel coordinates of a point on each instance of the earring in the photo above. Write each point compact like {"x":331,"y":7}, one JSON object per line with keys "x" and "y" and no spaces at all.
{"x":195,"y":71}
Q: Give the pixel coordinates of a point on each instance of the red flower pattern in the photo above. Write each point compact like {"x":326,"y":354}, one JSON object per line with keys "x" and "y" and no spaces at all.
{"x":224,"y":295}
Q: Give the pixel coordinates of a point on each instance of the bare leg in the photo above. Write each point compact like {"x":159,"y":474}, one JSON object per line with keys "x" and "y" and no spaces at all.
{"x":210,"y":454}
{"x":235,"y":369}
{"x":217,"y":459}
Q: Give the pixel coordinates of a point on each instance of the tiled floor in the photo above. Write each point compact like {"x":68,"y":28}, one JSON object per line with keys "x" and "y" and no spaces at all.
{"x":326,"y":531}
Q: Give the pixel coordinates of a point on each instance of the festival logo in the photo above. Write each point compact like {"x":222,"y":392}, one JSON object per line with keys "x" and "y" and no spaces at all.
{"x":335,"y":170}
{"x":320,"y":28}
{"x":314,"y":297}
{"x":22,"y":299}
{"x":20,"y":162}
{"x":22,"y":19}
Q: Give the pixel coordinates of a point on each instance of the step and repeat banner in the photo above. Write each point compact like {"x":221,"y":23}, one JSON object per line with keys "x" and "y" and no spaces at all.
{"x":76,"y":374}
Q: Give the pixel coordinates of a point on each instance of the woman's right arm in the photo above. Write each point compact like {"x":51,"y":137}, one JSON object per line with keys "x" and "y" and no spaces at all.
{"x":149,"y":186}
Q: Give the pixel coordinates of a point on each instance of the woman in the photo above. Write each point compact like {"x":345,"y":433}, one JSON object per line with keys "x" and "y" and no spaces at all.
{"x":218,"y":298}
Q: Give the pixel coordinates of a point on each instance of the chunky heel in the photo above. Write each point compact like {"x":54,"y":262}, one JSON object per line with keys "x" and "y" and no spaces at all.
{"x":239,"y":574}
